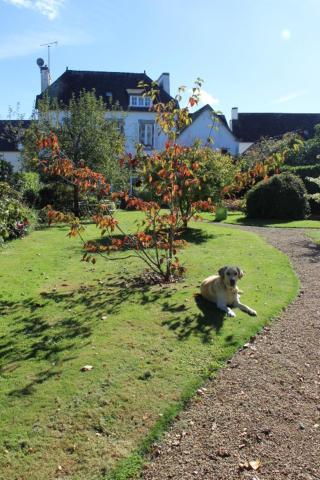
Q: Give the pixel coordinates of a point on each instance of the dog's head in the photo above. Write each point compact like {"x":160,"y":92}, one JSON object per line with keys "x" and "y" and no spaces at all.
{"x":230,"y":275}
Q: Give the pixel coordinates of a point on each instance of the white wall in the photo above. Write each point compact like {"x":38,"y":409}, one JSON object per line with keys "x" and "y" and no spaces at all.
{"x":243,"y":146}
{"x":203,"y":127}
{"x":14,"y":158}
{"x":131,"y":128}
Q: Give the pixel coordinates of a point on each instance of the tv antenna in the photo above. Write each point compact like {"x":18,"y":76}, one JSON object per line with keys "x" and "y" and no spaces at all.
{"x":49,"y":45}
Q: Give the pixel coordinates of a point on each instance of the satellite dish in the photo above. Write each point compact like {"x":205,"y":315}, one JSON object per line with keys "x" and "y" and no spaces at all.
{"x":40,"y":62}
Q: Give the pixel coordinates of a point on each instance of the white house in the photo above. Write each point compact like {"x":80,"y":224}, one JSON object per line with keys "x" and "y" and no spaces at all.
{"x":212,"y":130}
{"x":10,"y":131}
{"x":136,"y":119}
{"x":135,"y":116}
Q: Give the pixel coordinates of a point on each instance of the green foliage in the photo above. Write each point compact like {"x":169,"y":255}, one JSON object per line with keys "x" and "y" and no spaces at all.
{"x":212,"y":169}
{"x":58,"y":195}
{"x":85,"y":136}
{"x":6,"y":171}
{"x":310,"y":175}
{"x":261,"y":151}
{"x":282,"y":196}
{"x":309,"y":151}
{"x":13,"y":214}
{"x":28,"y":184}
{"x":303,"y":171}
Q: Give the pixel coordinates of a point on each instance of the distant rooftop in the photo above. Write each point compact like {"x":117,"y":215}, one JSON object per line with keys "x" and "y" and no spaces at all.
{"x":251,"y":127}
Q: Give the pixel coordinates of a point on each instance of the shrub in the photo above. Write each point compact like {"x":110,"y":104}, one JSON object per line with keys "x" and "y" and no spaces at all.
{"x":14,"y":221}
{"x":309,"y":151}
{"x":282,"y":196}
{"x":28,"y":184}
{"x":58,"y":195}
{"x":303,"y":171}
{"x":6,"y":171}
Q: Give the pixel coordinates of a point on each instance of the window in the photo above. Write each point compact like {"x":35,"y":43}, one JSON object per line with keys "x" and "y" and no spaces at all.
{"x":139,"y":101}
{"x":120,"y":126}
{"x":146,"y":133}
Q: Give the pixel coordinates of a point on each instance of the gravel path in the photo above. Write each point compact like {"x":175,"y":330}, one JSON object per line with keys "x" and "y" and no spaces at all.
{"x":260,"y":418}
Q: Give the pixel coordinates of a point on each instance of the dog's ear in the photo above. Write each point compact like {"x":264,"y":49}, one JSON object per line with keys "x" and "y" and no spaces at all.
{"x":222,"y":270}
{"x":240,"y":272}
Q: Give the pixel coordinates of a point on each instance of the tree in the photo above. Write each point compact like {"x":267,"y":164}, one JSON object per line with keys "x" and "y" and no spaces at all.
{"x":157,"y":238}
{"x":201,"y":174}
{"x":309,"y":151}
{"x":86,"y":137}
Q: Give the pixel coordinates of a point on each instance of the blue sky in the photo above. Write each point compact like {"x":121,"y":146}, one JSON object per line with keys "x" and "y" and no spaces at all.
{"x":259,"y":55}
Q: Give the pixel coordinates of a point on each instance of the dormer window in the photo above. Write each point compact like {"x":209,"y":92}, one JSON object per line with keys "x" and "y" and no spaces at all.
{"x":138,"y":101}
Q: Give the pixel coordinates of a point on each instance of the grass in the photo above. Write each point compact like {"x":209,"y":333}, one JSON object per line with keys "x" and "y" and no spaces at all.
{"x":315,"y":236}
{"x":238,"y":218}
{"x":150,"y":348}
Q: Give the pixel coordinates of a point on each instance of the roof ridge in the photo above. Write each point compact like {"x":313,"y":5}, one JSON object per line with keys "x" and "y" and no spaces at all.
{"x":105,"y":71}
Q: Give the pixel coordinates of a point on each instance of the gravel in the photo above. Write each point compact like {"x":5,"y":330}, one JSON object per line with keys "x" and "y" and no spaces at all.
{"x":259,"y":419}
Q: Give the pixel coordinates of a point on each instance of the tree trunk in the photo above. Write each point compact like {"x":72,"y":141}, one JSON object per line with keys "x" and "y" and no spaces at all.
{"x":76,"y":209}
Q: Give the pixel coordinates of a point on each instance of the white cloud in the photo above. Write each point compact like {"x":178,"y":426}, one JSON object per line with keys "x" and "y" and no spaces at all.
{"x":206,"y":97}
{"x":291,"y":96}
{"x":286,"y":34}
{"x":20,"y":45}
{"x":48,"y":8}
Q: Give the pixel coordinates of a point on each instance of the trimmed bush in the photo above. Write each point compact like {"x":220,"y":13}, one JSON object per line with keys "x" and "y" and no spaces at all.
{"x":58,"y":195}
{"x":282,"y":196}
{"x":303,"y":171}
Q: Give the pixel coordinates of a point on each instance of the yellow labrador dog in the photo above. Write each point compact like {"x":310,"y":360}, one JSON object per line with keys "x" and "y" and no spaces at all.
{"x":223,"y":291}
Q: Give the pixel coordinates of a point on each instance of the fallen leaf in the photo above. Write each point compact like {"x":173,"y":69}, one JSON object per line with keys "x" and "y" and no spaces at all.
{"x":86,"y":368}
{"x":255,"y":464}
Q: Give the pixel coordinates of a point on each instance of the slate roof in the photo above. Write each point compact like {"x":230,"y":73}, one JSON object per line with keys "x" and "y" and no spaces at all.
{"x":250,"y":127}
{"x":8,"y":132}
{"x":116,"y":83}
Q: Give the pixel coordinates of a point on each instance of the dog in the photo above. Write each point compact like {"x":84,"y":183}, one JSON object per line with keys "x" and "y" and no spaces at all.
{"x":223,"y":291}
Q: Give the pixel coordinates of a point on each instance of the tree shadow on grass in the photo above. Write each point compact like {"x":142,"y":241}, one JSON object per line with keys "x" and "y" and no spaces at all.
{"x":203,"y":324}
{"x":198,"y":235}
{"x":190,"y":235}
{"x":35,"y":336}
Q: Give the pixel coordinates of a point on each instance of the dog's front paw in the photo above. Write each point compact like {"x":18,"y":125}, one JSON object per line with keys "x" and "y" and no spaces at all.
{"x":230,"y":313}
{"x":253,"y":313}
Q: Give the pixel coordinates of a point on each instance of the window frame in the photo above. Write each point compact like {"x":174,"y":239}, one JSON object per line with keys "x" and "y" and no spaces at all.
{"x":144,"y":124}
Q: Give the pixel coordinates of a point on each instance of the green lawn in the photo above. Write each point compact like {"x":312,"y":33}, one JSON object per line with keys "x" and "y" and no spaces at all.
{"x":238,"y":218}
{"x":150,"y":348}
{"x":315,"y":236}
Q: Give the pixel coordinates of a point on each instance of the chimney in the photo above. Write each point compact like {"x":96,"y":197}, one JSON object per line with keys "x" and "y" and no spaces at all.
{"x":45,"y":78}
{"x":234,"y":113}
{"x":164,"y":82}
{"x":44,"y":74}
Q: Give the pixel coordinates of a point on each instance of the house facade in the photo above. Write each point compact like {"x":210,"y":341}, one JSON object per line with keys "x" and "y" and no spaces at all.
{"x":134,"y":114}
{"x":10,"y":131}
{"x":211,"y":130}
{"x":136,"y":118}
